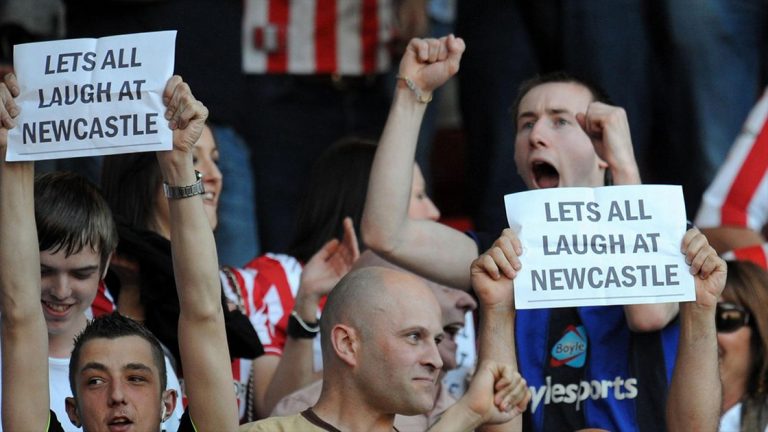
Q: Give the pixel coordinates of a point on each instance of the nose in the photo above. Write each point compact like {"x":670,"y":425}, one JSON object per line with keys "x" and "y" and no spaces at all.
{"x":116,"y":394}
{"x":431,"y":209}
{"x":465,"y":302}
{"x":59,"y":287}
{"x":211,"y":174}
{"x":432,"y":359}
{"x":537,"y":136}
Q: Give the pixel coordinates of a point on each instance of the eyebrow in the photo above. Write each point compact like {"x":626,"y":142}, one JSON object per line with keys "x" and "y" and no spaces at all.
{"x":550,"y":111}
{"x":101,"y":367}
{"x":85,"y":268}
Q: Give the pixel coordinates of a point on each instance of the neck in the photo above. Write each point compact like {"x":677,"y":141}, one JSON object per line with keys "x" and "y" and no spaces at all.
{"x":60,"y":345}
{"x":351,"y":412}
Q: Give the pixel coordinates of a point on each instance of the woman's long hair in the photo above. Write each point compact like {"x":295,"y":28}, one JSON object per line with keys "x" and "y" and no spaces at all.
{"x":747,"y":285}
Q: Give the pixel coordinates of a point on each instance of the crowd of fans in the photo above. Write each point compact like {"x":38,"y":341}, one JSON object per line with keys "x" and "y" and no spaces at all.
{"x":371,"y":314}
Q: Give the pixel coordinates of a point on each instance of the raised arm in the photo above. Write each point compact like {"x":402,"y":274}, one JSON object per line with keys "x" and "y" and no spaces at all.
{"x":426,"y":247}
{"x":24,"y":333}
{"x":323,"y":271}
{"x":202,"y":339}
{"x":497,"y":394}
{"x":694,"y":399}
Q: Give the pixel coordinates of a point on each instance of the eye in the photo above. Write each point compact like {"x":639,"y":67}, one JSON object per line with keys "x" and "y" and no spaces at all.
{"x":94,"y":381}
{"x":452,"y":330}
{"x":414,"y":337}
{"x":439,"y":338}
{"x":561,"y":121}
{"x":526,"y":125}
{"x":137,"y":379}
{"x":82,"y":275}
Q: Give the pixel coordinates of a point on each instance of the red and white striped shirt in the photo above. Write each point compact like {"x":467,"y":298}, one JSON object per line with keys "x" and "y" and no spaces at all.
{"x":739,"y":194}
{"x":345,"y":37}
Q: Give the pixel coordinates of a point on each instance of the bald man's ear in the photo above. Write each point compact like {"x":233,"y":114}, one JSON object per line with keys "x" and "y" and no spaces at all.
{"x":346,"y":343}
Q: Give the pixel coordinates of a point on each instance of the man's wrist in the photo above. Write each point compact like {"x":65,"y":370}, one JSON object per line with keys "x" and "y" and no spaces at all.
{"x":298,"y":328}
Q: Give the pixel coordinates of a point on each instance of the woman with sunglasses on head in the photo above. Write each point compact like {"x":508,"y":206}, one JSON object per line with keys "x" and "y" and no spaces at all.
{"x":742,"y":339}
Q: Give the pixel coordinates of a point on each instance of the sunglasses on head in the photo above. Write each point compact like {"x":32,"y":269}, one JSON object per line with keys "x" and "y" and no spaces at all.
{"x":730,"y":317}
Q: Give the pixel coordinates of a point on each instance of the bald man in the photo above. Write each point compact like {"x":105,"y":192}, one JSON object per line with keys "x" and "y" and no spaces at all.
{"x":380,"y":332}
{"x":456,"y":307}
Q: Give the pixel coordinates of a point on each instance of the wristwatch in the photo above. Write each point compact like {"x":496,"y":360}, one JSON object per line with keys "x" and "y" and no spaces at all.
{"x":178,"y":192}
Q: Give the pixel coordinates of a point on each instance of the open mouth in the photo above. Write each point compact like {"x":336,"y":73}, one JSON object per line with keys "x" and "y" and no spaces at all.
{"x":545,"y":175}
{"x":119,"y":424}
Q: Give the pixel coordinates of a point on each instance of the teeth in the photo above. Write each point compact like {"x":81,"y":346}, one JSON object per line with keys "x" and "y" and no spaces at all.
{"x":57,"y":307}
{"x":208,"y":196}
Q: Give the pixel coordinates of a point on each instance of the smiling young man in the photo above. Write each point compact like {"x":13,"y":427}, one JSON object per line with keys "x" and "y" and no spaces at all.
{"x":566,"y":136}
{"x":117,"y":372}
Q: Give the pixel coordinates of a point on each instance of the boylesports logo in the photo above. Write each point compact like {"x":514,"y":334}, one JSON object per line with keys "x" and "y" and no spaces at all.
{"x":549,"y":393}
{"x":571,"y":349}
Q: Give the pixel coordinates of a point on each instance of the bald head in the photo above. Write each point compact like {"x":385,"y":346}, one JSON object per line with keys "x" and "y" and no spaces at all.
{"x":366,"y":294}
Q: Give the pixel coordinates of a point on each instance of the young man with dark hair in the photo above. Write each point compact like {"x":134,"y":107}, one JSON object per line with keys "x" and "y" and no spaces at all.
{"x":118,"y":382}
{"x":566,"y":137}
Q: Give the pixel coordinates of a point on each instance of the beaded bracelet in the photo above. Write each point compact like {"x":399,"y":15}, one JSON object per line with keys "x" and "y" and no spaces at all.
{"x":411,"y":85}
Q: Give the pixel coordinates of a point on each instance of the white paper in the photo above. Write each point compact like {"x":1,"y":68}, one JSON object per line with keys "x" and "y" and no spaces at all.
{"x":611,"y":245}
{"x":90,"y":97}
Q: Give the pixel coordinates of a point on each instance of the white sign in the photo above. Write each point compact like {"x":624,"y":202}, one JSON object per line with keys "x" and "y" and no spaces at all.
{"x":611,"y":245}
{"x":90,"y":97}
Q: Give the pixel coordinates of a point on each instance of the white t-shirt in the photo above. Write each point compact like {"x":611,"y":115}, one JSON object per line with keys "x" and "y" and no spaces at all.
{"x":58,"y":386}
{"x":731,"y":420}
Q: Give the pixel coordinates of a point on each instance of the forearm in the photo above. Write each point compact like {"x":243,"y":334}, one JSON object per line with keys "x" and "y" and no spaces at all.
{"x":294,"y":371}
{"x":626,"y":173}
{"x":296,"y":367}
{"x":19,"y":251}
{"x":497,"y":343}
{"x":457,"y":418}
{"x":694,"y":399}
{"x":202,"y":338}
{"x":650,"y":317}
{"x":24,"y":333}
{"x":194,"y":250}
{"x":385,"y":219}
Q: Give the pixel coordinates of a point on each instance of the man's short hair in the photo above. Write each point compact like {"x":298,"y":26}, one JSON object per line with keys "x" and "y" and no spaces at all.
{"x":598,"y":94}
{"x":113,"y":326}
{"x":71,"y":214}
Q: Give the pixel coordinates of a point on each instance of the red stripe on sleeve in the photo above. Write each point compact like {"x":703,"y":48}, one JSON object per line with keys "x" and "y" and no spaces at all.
{"x":756,"y":254}
{"x":325,"y":36}
{"x":370,"y":35}
{"x":734,"y":210}
{"x":277,"y":62}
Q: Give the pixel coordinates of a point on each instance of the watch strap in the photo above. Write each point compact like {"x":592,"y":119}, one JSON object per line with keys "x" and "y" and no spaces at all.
{"x":179,"y":192}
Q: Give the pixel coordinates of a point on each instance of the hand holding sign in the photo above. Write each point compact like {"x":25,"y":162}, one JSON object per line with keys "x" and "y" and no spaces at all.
{"x":9,"y":89}
{"x":707,"y":267}
{"x":493,"y":272}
